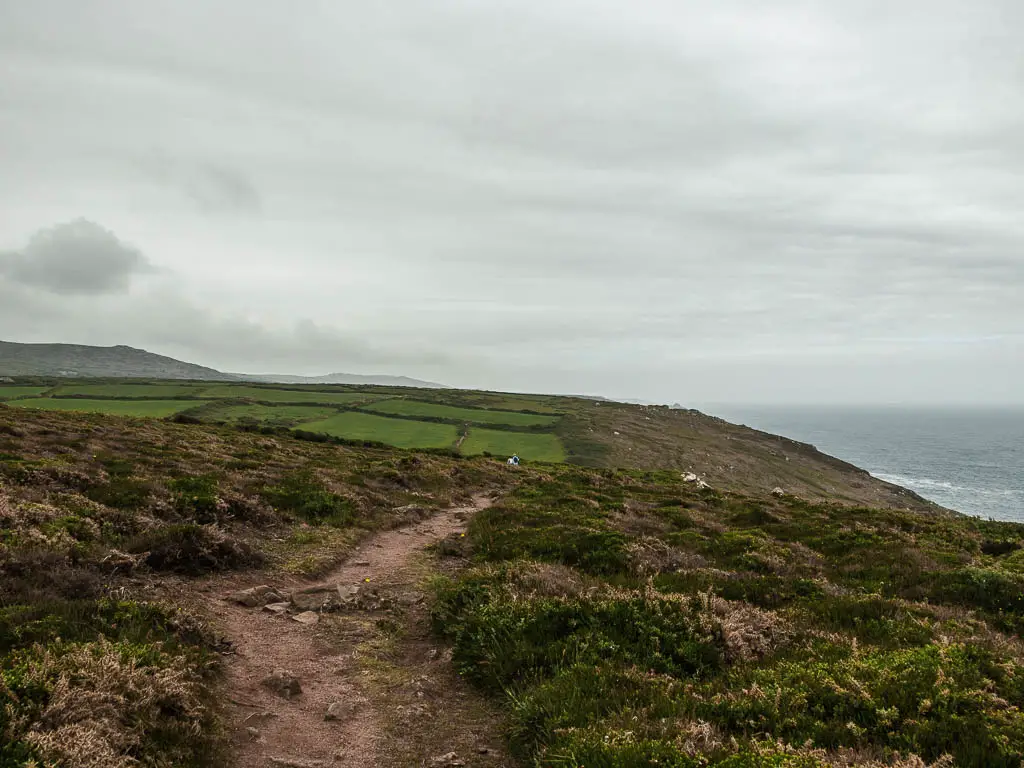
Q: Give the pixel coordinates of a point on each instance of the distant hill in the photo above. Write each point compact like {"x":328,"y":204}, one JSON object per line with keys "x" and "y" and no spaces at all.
{"x":342,"y":378}
{"x":80,"y":360}
{"x":86,"y":361}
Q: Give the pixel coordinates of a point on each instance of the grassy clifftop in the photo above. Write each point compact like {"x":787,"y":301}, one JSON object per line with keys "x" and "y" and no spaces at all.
{"x":595,"y":433}
{"x":621,"y":617}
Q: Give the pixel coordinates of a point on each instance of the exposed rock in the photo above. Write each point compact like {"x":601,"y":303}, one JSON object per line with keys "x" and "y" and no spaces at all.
{"x":291,"y":762}
{"x":689,"y":477}
{"x":254,"y":733}
{"x":411,"y":510}
{"x":318,"y":598}
{"x":307,"y":617}
{"x":257,"y":596}
{"x":778,"y":492}
{"x":449,"y":760}
{"x":277,"y":608}
{"x":340,"y":710}
{"x":283,"y":683}
{"x":361,"y":563}
{"x":327,"y":597}
{"x":347,"y":593}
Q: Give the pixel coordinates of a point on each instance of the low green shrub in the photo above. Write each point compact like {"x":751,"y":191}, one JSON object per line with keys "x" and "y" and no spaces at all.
{"x":1000,"y":594}
{"x":932,"y":700}
{"x":195,"y":497}
{"x":305,"y":496}
{"x":121,"y":493}
{"x":581,"y":541}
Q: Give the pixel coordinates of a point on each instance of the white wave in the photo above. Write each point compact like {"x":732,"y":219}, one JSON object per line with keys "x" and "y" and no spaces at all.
{"x":925,"y":484}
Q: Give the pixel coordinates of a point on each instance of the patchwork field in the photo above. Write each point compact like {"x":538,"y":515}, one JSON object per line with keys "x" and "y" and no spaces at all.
{"x":155,"y":391}
{"x":269,"y":415}
{"x":401,"y":433}
{"x":372,"y":413}
{"x":268,"y":395}
{"x":528,"y":446}
{"x":474,"y":415}
{"x":574,"y":430}
{"x":149,"y":408}
{"x":11,"y":392}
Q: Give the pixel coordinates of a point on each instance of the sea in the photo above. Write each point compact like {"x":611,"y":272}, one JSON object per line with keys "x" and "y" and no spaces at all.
{"x":967,"y":459}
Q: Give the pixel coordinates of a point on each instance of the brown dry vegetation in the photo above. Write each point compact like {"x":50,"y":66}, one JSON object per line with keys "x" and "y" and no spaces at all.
{"x":101,"y":516}
{"x":616,"y":617}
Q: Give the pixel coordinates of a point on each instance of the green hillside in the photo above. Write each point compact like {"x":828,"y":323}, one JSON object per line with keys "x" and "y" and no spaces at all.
{"x":592,"y":616}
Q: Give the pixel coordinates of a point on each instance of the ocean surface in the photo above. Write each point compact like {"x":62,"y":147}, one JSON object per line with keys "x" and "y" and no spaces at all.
{"x":970,"y":460}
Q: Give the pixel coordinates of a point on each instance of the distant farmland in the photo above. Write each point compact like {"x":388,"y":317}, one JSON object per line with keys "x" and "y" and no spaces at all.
{"x":376,"y":414}
{"x":268,"y":395}
{"x":476,"y":415}
{"x":528,"y":446}
{"x":402,"y":433}
{"x":154,"y":391}
{"x":149,"y":408}
{"x":270,"y":415}
{"x":10,"y":392}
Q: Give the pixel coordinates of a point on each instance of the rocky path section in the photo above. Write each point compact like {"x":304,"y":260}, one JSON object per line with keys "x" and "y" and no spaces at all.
{"x":344,"y":672}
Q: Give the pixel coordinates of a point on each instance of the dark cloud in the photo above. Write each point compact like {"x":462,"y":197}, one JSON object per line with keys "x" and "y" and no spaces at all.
{"x":78,"y":257}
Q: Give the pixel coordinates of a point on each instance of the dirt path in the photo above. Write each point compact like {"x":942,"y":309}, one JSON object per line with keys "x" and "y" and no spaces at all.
{"x":394,"y":697}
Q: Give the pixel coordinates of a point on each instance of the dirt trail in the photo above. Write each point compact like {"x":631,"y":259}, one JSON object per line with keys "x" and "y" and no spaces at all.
{"x":397,"y":698}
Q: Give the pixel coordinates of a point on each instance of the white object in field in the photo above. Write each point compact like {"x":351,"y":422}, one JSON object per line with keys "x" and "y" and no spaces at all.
{"x":692,"y":478}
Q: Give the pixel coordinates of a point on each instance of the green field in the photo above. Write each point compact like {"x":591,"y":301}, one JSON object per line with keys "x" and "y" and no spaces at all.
{"x":267,"y":395}
{"x":522,"y":405}
{"x":151,"y":408}
{"x":402,"y":433}
{"x":528,"y":446}
{"x":131,"y":390}
{"x":476,"y":415}
{"x":9,"y":393}
{"x":270,"y":415}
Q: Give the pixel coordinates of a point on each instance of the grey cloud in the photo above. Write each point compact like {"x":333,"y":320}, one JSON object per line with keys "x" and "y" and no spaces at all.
{"x":583,"y":195}
{"x":78,"y":257}
{"x":222,"y":188}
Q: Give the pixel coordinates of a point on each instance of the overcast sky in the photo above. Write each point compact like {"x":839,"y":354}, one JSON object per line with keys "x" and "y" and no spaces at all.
{"x":695,"y":201}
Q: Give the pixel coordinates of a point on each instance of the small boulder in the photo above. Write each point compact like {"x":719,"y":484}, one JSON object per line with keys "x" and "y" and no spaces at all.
{"x":307,"y":617}
{"x":254,"y":597}
{"x":283,"y":683}
{"x":348,"y":594}
{"x":778,"y":492}
{"x":277,"y":608}
{"x":318,"y":598}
